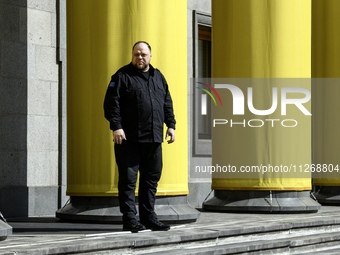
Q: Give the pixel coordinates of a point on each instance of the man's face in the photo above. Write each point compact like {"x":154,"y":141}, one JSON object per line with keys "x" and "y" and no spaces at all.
{"x":141,"y":57}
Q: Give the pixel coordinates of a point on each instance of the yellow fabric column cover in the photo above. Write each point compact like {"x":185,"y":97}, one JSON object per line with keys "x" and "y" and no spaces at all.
{"x":100,"y":36}
{"x":326,"y":103}
{"x":262,"y":39}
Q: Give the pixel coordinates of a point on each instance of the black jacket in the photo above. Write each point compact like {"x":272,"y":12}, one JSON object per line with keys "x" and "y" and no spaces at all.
{"x":139,"y":106}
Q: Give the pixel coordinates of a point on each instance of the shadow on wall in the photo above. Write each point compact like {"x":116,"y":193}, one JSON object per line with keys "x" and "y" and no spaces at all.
{"x":13,"y":108}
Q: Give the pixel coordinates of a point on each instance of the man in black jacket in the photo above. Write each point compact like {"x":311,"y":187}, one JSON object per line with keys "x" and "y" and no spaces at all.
{"x":137,"y":104}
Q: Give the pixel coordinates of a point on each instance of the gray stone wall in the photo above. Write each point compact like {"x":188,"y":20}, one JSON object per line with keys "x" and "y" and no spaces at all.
{"x":29,"y":108}
{"x":42,"y":107}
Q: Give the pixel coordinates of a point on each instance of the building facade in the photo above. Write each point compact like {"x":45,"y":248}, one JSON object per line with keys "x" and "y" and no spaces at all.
{"x":33,"y":107}
{"x":268,"y":39}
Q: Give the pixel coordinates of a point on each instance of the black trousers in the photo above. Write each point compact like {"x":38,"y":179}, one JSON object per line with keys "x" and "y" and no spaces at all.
{"x":147,"y":158}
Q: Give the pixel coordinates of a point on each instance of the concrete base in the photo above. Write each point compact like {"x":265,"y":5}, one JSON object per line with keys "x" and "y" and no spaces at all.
{"x":328,"y":195}
{"x":198,"y":192}
{"x":26,"y":201}
{"x":5,"y":230}
{"x":262,"y":201}
{"x":172,"y":209}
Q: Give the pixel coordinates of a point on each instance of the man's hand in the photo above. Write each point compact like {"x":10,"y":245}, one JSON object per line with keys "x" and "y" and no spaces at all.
{"x":118,"y":136}
{"x":170,"y":132}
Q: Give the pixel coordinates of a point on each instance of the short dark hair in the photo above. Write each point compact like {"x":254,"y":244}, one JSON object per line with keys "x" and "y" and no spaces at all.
{"x":141,"y":42}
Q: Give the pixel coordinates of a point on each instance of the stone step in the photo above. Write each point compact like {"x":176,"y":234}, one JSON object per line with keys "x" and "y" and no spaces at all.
{"x":294,"y":235}
{"x":331,"y":251}
{"x":306,"y":243}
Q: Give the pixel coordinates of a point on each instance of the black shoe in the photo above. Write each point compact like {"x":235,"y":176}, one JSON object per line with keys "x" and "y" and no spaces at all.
{"x":133,"y":225}
{"x":156,"y":225}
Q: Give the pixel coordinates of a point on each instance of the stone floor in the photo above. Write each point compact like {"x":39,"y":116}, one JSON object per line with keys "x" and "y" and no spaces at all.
{"x":47,"y":235}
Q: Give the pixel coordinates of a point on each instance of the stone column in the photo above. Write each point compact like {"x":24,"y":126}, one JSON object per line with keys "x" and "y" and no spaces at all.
{"x":261,"y":40}
{"x":29,"y":98}
{"x":100,"y":36}
{"x":326,"y":91}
